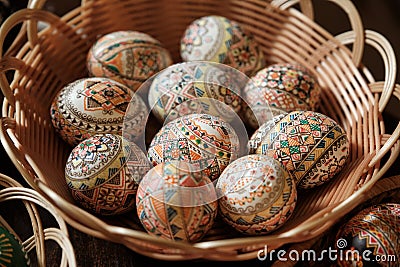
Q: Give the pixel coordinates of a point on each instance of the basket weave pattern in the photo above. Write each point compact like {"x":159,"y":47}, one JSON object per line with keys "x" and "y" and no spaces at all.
{"x":50,"y":59}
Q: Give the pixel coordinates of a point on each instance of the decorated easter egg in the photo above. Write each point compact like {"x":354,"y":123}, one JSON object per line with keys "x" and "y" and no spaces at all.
{"x":103,"y":173}
{"x":281,"y":88}
{"x":129,"y":57}
{"x":259,"y":134}
{"x":176,"y":203}
{"x":12,"y":253}
{"x":206,"y":142}
{"x":258,"y":195}
{"x":172,"y":90}
{"x":218,"y":39}
{"x":96,"y":105}
{"x":312,"y":146}
{"x":371,"y":238}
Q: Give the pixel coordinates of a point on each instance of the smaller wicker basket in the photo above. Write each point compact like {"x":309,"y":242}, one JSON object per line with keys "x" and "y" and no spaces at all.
{"x":12,"y":190}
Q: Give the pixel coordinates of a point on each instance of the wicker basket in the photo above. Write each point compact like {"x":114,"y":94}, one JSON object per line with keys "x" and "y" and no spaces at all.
{"x":12,"y":190}
{"x":46,"y":61}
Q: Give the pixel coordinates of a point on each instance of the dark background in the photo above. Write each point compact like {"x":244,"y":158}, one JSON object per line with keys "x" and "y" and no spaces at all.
{"x":381,"y":16}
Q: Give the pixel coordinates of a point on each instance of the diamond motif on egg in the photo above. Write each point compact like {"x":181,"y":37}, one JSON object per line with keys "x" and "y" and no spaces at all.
{"x":206,"y":142}
{"x":129,"y":57}
{"x":176,"y":202}
{"x":103,"y":173}
{"x":278,"y":89}
{"x":311,"y":146}
{"x":96,"y":105}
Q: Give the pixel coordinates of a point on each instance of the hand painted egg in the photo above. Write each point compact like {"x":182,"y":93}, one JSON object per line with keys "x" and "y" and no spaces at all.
{"x":176,"y":203}
{"x":371,"y":238}
{"x":218,"y":39}
{"x":312,"y":146}
{"x":257,"y":194}
{"x":259,"y":135}
{"x":180,"y":84}
{"x":128,"y":57}
{"x":206,"y":142}
{"x":96,"y":105}
{"x":12,"y":253}
{"x":281,"y":88}
{"x":103,"y":173}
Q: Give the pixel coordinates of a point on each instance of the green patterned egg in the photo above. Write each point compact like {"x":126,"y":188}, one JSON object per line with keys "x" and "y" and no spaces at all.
{"x":312,"y":146}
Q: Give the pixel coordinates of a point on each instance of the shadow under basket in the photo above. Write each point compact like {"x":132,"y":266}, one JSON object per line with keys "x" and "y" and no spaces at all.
{"x":47,"y":60}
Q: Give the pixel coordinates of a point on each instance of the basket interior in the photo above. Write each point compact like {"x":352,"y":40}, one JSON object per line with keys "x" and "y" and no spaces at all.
{"x":285,"y":36}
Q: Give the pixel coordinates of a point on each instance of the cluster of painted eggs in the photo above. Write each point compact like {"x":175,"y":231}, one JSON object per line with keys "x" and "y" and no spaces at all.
{"x":109,"y":174}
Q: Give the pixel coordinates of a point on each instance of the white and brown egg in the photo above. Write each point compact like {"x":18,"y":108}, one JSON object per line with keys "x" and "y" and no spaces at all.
{"x":219,"y":39}
{"x":103,"y":173}
{"x":96,"y":105}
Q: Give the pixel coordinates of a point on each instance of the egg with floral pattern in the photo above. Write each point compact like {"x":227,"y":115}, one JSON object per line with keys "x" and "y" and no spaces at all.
{"x":175,"y":202}
{"x":204,"y":141}
{"x":371,"y":237}
{"x":103,"y":173}
{"x":311,"y":146}
{"x":219,"y":39}
{"x":280,"y":88}
{"x":129,"y":57}
{"x":258,"y":195}
{"x":95,"y":105}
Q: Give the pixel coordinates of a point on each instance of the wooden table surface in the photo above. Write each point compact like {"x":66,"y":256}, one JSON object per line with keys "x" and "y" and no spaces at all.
{"x":381,"y":16}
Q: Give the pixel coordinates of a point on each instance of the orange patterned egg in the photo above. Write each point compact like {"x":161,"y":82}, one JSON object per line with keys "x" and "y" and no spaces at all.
{"x":257,"y":194}
{"x":280,"y":88}
{"x":206,"y":142}
{"x":176,"y":203}
{"x":129,"y":57}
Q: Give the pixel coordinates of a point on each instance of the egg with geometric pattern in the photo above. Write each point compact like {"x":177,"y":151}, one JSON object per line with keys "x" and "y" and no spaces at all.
{"x":219,"y":39}
{"x":311,"y":146}
{"x":195,"y":87}
{"x":128,"y":57}
{"x":371,"y":237}
{"x":103,"y":173}
{"x":95,"y":105}
{"x":176,"y":202}
{"x":258,"y":195}
{"x":207,"y":142}
{"x":280,"y":88}
{"x":12,"y":253}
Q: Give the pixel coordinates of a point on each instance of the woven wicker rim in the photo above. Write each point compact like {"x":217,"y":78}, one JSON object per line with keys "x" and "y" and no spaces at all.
{"x":357,"y":101}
